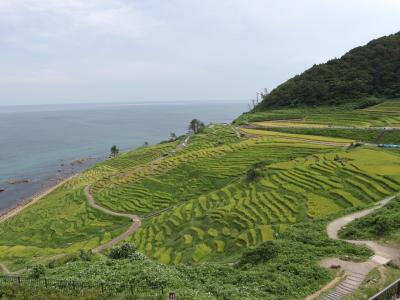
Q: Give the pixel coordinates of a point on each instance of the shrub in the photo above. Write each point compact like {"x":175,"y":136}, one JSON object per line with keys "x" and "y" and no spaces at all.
{"x":37,"y":271}
{"x":253,"y":173}
{"x":125,"y":250}
{"x":137,"y":256}
{"x":86,"y":255}
{"x":264,"y":252}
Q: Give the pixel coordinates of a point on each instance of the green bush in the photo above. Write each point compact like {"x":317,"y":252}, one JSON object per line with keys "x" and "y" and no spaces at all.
{"x":263,"y":253}
{"x":86,"y":255}
{"x":37,"y":271}
{"x":126,"y":250}
{"x":254,"y":172}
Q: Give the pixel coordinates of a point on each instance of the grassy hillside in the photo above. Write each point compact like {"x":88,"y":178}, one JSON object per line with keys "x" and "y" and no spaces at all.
{"x":236,"y":209}
{"x":372,"y":70}
{"x":279,"y":270}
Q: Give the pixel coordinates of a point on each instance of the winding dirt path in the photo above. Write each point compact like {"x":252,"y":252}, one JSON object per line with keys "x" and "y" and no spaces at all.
{"x":4,"y":269}
{"x":135,"y":222}
{"x":356,"y":272}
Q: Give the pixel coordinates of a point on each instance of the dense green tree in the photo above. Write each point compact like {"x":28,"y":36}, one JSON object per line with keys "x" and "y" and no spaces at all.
{"x":369,"y":71}
{"x":196,"y":125}
{"x":114,"y":151}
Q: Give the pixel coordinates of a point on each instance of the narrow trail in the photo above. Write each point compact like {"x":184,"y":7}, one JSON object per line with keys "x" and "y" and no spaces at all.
{"x":135,"y":222}
{"x":4,"y":269}
{"x":356,"y":272}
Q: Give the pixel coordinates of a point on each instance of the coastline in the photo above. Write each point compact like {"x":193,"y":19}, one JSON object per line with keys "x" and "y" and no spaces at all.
{"x":13,"y":211}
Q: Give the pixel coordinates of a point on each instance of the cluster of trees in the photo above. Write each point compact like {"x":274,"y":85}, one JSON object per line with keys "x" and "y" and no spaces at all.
{"x":371,"y":70}
{"x":196,"y":125}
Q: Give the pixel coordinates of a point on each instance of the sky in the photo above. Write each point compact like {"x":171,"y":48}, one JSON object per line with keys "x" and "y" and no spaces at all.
{"x":83,"y":51}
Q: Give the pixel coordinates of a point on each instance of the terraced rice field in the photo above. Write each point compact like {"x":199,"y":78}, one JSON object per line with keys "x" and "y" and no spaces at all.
{"x":388,"y":107}
{"x":62,"y":222}
{"x":196,"y":202}
{"x":299,"y":137}
{"x":382,"y":115}
{"x":243,"y":214}
{"x":190,"y":174}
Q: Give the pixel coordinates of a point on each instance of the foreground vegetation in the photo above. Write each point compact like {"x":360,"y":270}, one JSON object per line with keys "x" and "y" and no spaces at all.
{"x":282,"y":269}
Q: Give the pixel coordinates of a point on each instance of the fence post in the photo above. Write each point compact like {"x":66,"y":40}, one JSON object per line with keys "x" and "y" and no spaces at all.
{"x":131,"y":288}
{"x":19,"y":280}
{"x":45,"y":282}
{"x":398,"y":289}
{"x":102,"y":287}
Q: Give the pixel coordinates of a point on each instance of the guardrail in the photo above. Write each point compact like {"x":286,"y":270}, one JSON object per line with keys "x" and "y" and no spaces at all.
{"x":392,"y":292}
{"x":75,"y":286}
{"x":388,"y":146}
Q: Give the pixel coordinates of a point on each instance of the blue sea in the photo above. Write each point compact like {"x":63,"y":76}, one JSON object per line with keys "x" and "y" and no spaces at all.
{"x":38,"y":144}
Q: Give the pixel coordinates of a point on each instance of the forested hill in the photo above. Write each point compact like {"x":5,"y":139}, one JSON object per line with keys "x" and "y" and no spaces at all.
{"x":367,"y":71}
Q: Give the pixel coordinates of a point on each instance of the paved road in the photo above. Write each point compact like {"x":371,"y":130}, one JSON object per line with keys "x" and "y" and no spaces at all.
{"x":356,"y":272}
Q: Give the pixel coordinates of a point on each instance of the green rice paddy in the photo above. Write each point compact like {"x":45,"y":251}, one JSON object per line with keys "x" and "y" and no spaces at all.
{"x":243,"y":214}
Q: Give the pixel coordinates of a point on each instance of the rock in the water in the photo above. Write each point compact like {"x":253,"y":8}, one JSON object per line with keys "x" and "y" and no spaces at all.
{"x":18,"y":181}
{"x":2,"y":190}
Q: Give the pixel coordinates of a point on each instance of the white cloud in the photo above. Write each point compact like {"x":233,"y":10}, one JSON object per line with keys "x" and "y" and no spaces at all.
{"x":52,"y":18}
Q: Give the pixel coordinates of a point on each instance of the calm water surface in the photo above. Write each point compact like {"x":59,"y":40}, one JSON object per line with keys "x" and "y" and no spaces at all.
{"x":38,"y":143}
